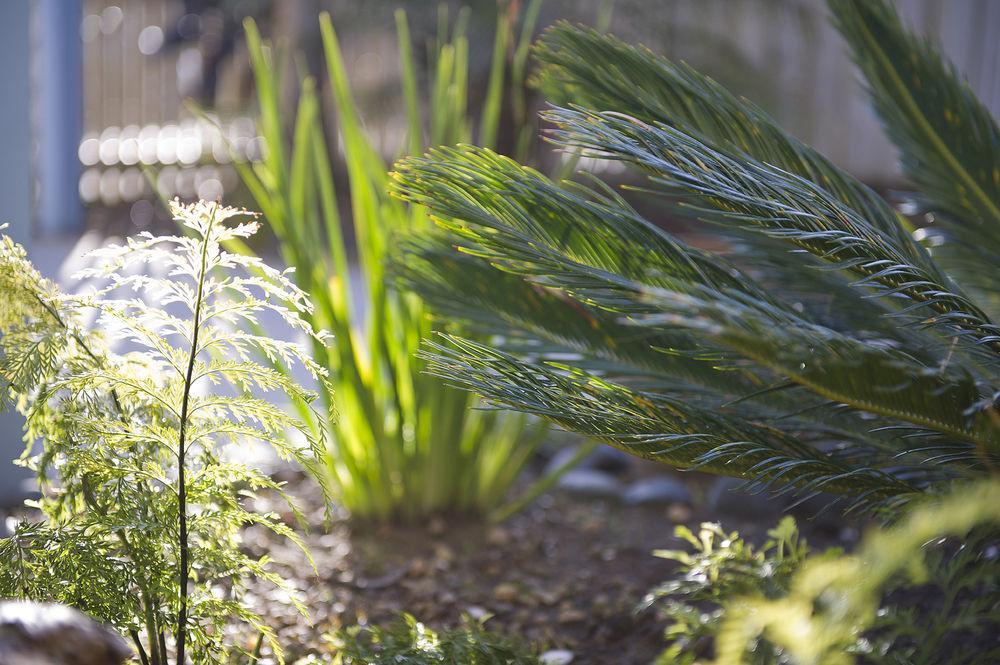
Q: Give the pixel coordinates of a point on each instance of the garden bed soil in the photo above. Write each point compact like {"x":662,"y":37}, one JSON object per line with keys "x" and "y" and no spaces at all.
{"x":566,"y":573}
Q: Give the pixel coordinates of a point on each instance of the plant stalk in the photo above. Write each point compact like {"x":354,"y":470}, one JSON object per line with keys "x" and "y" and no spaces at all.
{"x":184,"y":572}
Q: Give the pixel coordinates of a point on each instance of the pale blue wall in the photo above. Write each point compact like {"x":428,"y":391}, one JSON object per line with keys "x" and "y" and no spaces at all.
{"x":15,"y":190}
{"x":57,"y":80}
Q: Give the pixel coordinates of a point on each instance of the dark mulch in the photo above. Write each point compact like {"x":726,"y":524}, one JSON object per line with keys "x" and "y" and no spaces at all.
{"x":566,"y":573}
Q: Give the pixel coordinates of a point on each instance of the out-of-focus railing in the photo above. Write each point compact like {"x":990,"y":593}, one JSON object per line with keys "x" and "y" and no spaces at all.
{"x":142,"y":58}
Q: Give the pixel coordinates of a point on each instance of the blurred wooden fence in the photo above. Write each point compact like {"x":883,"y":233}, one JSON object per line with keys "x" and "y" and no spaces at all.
{"x":786,"y":56}
{"x":781,"y":53}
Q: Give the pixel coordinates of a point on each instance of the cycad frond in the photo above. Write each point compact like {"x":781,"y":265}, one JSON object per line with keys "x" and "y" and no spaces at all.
{"x":827,"y":342}
{"x":616,"y":311}
{"x":658,"y":427}
{"x":949,"y":140}
{"x":761,"y":197}
{"x":616,"y":76}
{"x":518,"y":219}
{"x":547,"y":323}
{"x":866,"y":374}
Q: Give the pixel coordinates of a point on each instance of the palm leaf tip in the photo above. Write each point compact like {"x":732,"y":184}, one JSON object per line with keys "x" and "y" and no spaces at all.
{"x":581,"y":66}
{"x":750,"y":194}
{"x":949,"y":141}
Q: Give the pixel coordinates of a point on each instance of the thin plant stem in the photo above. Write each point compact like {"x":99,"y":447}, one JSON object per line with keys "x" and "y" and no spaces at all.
{"x":184,"y":567}
{"x":143,"y":658}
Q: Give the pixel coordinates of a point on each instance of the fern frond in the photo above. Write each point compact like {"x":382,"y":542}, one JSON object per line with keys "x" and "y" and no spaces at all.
{"x":136,"y":436}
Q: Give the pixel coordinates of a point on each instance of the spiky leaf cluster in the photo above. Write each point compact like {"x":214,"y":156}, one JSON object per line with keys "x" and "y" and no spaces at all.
{"x":909,"y":595}
{"x":717,"y":569}
{"x":823,"y":350}
{"x":128,"y":429}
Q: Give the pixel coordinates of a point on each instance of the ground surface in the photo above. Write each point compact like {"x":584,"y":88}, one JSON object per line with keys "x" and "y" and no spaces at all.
{"x":566,"y":573}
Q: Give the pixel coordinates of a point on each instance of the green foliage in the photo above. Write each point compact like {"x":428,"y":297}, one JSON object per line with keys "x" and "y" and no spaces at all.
{"x":832,"y":601}
{"x":909,"y":595}
{"x":827,"y":353}
{"x":948,"y":140}
{"x":721,"y":567}
{"x":409,"y":641}
{"x":405,"y":445}
{"x":143,"y":509}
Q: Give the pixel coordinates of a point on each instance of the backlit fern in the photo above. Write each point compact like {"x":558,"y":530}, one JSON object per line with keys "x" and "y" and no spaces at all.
{"x":128,"y":421}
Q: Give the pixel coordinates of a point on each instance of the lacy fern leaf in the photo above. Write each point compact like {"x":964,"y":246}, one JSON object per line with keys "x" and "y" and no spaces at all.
{"x":133,"y":439}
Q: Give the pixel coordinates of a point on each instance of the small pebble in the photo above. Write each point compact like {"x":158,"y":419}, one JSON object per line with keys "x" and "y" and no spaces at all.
{"x":550,"y":597}
{"x":571,"y":615}
{"x":498,"y":536}
{"x":590,"y":483}
{"x":506,"y":592}
{"x":444,"y":553}
{"x":437,"y":527}
{"x":678,"y":512}
{"x":557,"y":657}
{"x":656,"y":490}
{"x":477,"y":613}
{"x":601,"y":603}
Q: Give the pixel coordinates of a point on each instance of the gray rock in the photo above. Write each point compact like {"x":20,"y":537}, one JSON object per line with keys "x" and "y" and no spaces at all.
{"x":44,"y":634}
{"x":590,"y":483}
{"x":656,"y":490}
{"x":604,"y":458}
{"x":724,"y":497}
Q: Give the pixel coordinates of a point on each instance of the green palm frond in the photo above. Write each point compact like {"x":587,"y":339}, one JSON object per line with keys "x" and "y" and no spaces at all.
{"x":562,"y":290}
{"x":546,"y":323}
{"x":616,"y":76}
{"x":545,"y":226}
{"x":866,"y":374}
{"x":822,"y":342}
{"x":760,"y":197}
{"x":949,"y":140}
{"x":658,"y":427}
